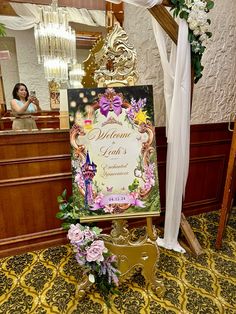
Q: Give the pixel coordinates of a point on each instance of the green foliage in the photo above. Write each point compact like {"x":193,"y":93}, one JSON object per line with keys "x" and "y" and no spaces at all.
{"x":181,"y":9}
{"x":210,"y":4}
{"x":153,"y":202}
{"x":106,"y":288}
{"x":68,"y":211}
{"x":2,"y":30}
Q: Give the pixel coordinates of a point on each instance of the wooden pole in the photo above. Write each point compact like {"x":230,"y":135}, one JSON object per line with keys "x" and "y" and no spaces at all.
{"x":229,"y":191}
{"x":164,"y":18}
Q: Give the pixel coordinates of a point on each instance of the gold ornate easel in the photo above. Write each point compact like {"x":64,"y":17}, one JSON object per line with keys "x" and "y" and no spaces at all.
{"x":134,"y":249}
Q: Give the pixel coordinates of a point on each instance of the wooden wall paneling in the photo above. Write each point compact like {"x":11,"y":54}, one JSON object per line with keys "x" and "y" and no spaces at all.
{"x":204,"y":186}
{"x":34,"y":144}
{"x":34,"y":166}
{"x":33,"y":204}
{"x":34,"y":169}
{"x":209,"y":153}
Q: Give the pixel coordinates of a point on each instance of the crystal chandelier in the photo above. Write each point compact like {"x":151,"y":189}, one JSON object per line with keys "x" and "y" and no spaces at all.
{"x":55,"y":42}
{"x":75,"y":74}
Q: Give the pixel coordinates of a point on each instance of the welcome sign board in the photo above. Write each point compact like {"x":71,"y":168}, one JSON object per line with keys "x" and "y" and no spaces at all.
{"x":113,"y":152}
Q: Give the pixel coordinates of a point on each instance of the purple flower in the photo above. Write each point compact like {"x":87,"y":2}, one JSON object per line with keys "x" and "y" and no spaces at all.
{"x":89,"y":235}
{"x":134,"y":200}
{"x":98,"y":202}
{"x":108,"y":268}
{"x":95,"y":251}
{"x":137,"y":105}
{"x":149,"y":176}
{"x":80,"y":257}
{"x":79,"y":179}
{"x":130,"y":113}
{"x":75,"y":234}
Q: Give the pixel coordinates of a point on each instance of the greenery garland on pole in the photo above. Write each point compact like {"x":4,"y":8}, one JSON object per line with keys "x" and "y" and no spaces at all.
{"x":195,"y":13}
{"x":2,"y":30}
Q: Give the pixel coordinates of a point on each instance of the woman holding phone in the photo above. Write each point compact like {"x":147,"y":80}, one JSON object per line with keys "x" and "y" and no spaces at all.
{"x":22,"y":106}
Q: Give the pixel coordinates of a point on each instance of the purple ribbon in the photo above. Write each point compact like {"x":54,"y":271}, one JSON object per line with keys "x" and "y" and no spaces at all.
{"x":106,"y":104}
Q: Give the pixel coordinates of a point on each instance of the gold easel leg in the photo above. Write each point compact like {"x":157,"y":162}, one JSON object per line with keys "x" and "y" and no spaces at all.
{"x":151,"y":230}
{"x":84,"y":286}
{"x":135,"y":250}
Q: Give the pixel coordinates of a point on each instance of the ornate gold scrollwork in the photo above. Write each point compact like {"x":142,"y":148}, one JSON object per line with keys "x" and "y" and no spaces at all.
{"x":116,"y":59}
{"x":90,"y":65}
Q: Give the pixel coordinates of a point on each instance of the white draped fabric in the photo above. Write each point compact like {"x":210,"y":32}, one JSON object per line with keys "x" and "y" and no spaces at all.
{"x":28,"y":16}
{"x":177,"y":92}
{"x":140,"y":3}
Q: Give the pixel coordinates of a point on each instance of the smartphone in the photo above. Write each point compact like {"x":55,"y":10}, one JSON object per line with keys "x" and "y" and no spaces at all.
{"x":32,"y":93}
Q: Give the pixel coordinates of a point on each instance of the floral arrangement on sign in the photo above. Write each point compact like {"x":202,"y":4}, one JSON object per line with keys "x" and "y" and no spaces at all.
{"x":195,"y":13}
{"x":90,"y":251}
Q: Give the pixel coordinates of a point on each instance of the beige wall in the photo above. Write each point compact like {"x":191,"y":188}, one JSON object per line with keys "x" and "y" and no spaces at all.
{"x":9,"y":68}
{"x":24,"y":66}
{"x":214,"y":95}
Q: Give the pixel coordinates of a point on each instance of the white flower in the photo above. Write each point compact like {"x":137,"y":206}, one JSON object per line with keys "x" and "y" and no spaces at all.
{"x":186,"y":10}
{"x":188,"y":3}
{"x":196,"y":49}
{"x":137,"y":173}
{"x":198,"y":24}
{"x":194,"y":43}
{"x":199,"y":5}
{"x":91,"y":278}
{"x":196,"y":32}
{"x":203,"y":37}
{"x":204,"y":29}
{"x":193,"y":25}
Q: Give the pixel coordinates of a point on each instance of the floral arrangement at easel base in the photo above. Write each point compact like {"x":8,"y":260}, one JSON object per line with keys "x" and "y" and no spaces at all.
{"x":90,"y":251}
{"x":195,"y":13}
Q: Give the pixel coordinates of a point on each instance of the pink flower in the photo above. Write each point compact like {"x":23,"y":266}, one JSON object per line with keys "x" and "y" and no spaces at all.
{"x":108,"y":209}
{"x":95,"y":251}
{"x":134,"y":200}
{"x":80,"y":257}
{"x":88,"y":234}
{"x":98,"y":202}
{"x":79,"y":179}
{"x":149,"y":176}
{"x":75,"y":234}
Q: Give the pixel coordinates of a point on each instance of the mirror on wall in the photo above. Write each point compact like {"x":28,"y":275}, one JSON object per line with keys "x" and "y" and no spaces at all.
{"x":23,"y":67}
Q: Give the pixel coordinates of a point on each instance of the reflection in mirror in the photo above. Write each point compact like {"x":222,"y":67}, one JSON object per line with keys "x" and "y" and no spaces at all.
{"x":23,"y":65}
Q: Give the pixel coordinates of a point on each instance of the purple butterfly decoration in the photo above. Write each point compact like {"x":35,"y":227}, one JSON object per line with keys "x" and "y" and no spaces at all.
{"x":109,"y":189}
{"x":114,"y":103}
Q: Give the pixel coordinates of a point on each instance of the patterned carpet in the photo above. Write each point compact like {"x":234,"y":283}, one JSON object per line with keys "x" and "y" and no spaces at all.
{"x":46,"y":281}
